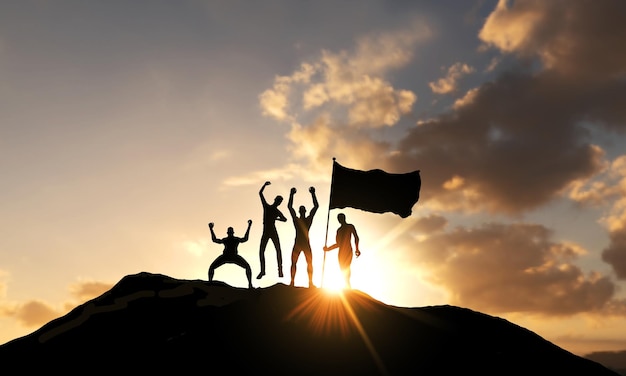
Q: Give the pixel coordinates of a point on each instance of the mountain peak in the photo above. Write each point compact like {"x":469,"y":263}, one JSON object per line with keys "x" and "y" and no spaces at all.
{"x":151,"y":322}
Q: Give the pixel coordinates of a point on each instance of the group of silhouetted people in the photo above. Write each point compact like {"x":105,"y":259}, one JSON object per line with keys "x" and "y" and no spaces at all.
{"x":302,"y":224}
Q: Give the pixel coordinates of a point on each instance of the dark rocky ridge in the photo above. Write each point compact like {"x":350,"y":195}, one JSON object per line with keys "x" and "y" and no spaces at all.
{"x":154,"y":323}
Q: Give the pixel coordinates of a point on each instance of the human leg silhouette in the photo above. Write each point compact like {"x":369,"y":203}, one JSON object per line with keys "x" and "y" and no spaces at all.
{"x":264,"y":239}
{"x":345,"y":259}
{"x":308,"y":255}
{"x":219,"y":261}
{"x":294,"y":260}
{"x":279,"y":254}
{"x":244,"y":264}
{"x":249,"y":276}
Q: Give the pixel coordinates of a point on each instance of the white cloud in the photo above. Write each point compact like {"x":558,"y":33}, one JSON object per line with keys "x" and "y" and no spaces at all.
{"x":448,"y":84}
{"x":330,"y":103}
{"x":275,"y":101}
{"x":353,"y":80}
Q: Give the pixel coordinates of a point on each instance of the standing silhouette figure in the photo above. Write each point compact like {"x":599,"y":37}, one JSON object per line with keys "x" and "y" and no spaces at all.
{"x":302,"y":244}
{"x":271,"y":214}
{"x":230,"y":254}
{"x":345,"y":233}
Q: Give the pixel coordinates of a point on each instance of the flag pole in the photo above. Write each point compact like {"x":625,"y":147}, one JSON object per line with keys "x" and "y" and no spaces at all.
{"x":327,"y":219}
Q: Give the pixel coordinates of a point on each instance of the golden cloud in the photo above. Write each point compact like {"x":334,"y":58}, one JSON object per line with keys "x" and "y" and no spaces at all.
{"x":35,"y":313}
{"x":580,"y":38}
{"x":341,"y":95}
{"x":88,"y":290}
{"x":512,"y":268}
{"x":448,"y":84}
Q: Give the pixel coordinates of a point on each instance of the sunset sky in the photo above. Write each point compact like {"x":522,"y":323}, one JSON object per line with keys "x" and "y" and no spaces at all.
{"x":127,"y":126}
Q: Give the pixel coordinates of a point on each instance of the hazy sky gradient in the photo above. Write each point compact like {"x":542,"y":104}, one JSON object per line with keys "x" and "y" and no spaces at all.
{"x":125,"y":127}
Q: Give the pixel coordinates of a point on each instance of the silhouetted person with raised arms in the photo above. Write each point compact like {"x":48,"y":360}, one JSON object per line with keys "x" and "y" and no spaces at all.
{"x":301,"y":244}
{"x":345,"y":232}
{"x":230,"y":254}
{"x":270,"y":215}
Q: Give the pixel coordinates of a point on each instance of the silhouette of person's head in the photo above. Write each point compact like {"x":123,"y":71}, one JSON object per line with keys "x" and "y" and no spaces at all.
{"x":278,"y":200}
{"x":230,"y":231}
{"x":341,"y":218}
{"x":302,"y":210}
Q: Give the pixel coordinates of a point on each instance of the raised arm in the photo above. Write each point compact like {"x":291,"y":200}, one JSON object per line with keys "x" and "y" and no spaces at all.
{"x":245,"y":237}
{"x":290,"y":203}
{"x":315,"y":203}
{"x":213,"y":237}
{"x":261,"y":192}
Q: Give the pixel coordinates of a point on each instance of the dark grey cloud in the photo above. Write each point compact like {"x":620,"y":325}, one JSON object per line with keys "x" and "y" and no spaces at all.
{"x":515,"y":143}
{"x":509,"y":146}
{"x":512,"y":268}
{"x":615,"y":253}
{"x":581,"y":39}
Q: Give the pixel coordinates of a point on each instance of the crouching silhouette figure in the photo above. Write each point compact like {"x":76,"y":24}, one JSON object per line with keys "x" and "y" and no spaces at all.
{"x":230,"y":254}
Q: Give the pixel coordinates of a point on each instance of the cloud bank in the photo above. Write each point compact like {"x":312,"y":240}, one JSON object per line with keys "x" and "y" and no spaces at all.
{"x":34,"y":313}
{"x":508,"y":146}
{"x":512,"y":268}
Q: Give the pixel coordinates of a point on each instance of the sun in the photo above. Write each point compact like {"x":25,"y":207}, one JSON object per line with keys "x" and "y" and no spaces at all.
{"x":332,"y":278}
{"x":333,"y":282}
{"x":374,"y":271}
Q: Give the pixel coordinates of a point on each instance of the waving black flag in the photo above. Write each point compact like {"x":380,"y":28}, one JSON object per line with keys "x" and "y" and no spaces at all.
{"x":374,"y":191}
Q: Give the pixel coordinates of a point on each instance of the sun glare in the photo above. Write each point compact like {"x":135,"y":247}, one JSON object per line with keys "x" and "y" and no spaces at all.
{"x":333,"y":283}
{"x":334,"y":314}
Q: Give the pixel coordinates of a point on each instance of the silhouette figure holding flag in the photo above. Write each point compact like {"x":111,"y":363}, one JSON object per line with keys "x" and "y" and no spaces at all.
{"x":230,"y":254}
{"x":345,"y":233}
{"x":271,"y":214}
{"x":301,"y":244}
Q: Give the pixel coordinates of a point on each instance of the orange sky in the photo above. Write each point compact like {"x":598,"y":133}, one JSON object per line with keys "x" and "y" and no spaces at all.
{"x":126,"y":128}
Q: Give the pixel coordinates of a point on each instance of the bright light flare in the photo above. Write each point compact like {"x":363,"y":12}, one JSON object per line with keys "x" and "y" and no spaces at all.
{"x":333,"y":283}
{"x":332,"y":313}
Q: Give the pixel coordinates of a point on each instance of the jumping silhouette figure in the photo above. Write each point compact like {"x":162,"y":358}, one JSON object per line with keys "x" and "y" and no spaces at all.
{"x":230,"y":254}
{"x":270,"y":215}
{"x":345,"y":232}
{"x":302,"y":225}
